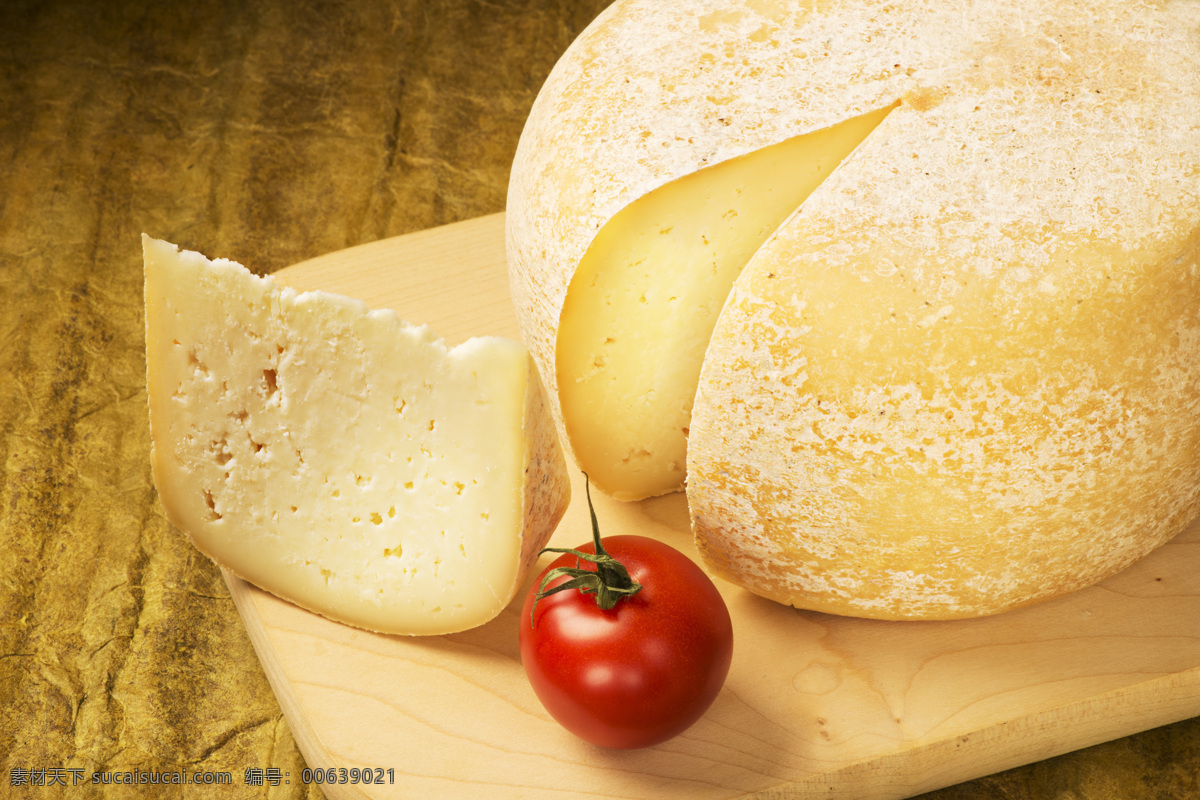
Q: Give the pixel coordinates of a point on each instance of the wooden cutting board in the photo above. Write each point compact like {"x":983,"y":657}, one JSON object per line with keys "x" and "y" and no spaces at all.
{"x":814,"y":706}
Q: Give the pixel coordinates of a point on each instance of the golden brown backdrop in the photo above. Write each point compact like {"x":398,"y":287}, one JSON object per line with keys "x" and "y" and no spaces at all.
{"x":269,"y":132}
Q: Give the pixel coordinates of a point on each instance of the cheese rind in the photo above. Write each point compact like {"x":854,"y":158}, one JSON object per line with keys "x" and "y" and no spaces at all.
{"x":340,"y":457}
{"x":987,"y":395}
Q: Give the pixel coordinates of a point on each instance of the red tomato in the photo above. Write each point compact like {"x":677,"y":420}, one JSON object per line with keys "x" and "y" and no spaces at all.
{"x":638,"y":673}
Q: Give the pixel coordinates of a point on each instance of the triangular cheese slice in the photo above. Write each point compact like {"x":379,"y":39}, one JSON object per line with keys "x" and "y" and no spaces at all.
{"x":341,"y":458}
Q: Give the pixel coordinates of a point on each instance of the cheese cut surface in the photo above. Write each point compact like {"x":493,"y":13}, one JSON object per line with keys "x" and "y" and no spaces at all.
{"x":341,"y":458}
{"x":648,"y":95}
{"x":643,"y":302}
{"x":964,"y":374}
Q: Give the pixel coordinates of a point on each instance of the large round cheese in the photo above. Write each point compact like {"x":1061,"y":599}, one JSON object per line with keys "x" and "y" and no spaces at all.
{"x":909,"y":292}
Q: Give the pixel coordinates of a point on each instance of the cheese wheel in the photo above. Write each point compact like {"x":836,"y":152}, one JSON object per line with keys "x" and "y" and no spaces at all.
{"x":342,"y":458}
{"x":957,"y":372}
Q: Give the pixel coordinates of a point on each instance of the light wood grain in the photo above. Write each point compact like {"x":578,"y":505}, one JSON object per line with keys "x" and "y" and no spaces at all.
{"x":814,"y":705}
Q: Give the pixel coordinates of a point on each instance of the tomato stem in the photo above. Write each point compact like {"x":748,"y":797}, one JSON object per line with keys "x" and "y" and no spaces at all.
{"x":609,"y":581}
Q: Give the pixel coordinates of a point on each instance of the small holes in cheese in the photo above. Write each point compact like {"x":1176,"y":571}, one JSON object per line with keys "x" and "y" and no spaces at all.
{"x":213,"y":514}
{"x":195,"y":363}
{"x":221,"y":448}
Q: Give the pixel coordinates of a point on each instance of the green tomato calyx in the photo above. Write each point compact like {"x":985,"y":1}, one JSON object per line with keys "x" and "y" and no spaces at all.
{"x":609,"y":581}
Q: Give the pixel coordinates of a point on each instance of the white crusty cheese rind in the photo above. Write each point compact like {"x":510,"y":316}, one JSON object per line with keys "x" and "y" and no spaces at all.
{"x":986,"y":394}
{"x":964,"y":376}
{"x":341,"y":458}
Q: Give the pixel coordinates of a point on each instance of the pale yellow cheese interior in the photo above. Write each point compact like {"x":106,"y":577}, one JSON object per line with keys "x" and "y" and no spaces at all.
{"x":643,"y":302}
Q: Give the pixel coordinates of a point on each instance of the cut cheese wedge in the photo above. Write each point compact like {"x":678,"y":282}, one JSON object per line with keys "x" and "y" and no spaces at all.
{"x":644,"y":300}
{"x":341,"y":458}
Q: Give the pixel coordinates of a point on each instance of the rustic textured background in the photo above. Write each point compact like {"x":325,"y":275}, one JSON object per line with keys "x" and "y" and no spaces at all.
{"x":268,"y":132}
